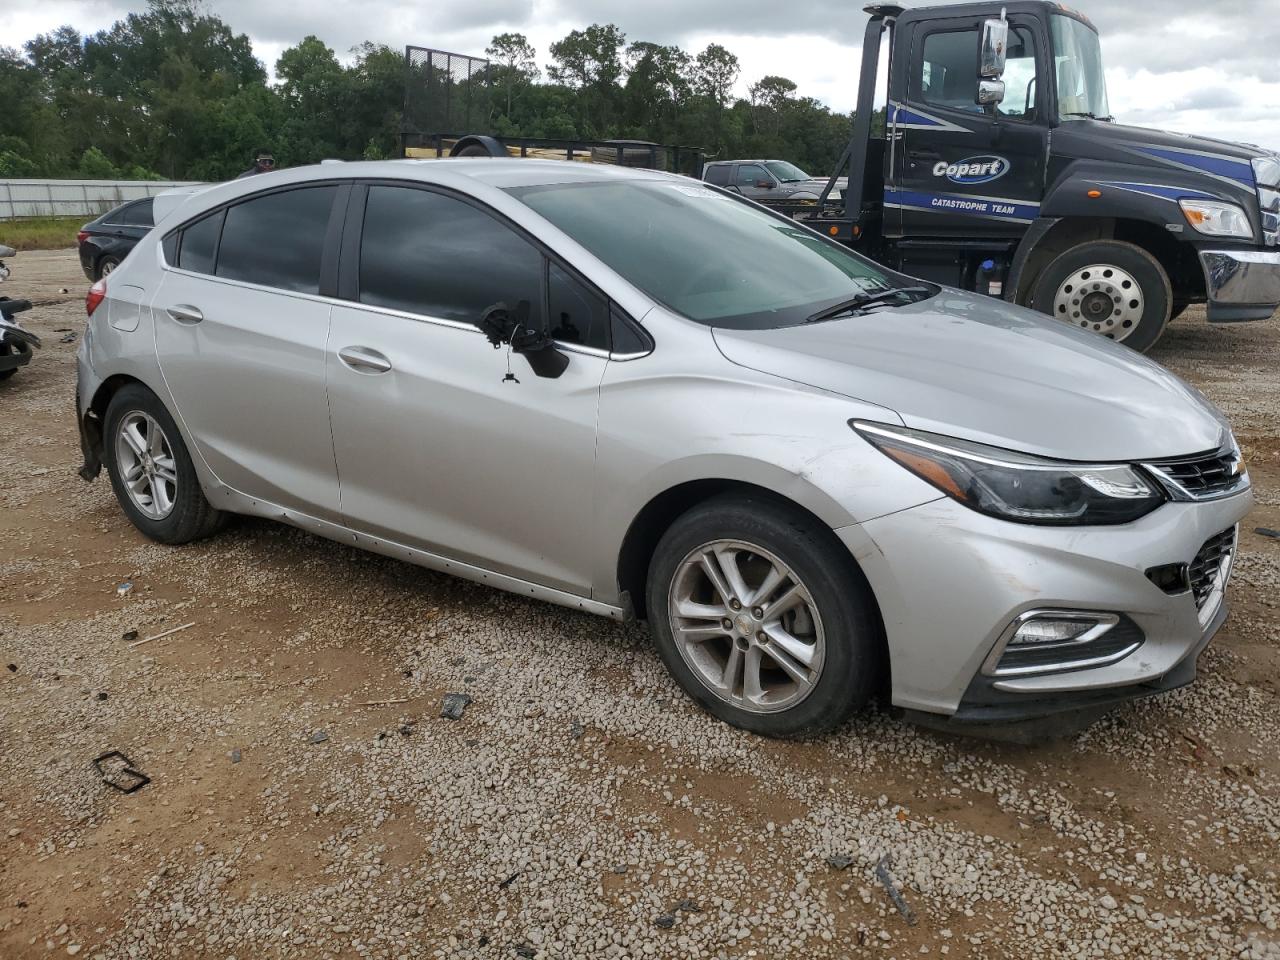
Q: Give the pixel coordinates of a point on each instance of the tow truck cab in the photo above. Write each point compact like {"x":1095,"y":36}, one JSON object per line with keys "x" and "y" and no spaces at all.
{"x":1002,"y":171}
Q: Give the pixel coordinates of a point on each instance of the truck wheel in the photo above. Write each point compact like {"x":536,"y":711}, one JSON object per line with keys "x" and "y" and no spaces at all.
{"x":1110,"y":287}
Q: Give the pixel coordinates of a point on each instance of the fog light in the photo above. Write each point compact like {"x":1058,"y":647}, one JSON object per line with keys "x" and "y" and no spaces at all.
{"x":1050,"y":641}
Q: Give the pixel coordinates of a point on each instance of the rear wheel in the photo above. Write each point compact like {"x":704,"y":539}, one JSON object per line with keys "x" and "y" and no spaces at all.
{"x":1109,"y":287}
{"x":761,"y":616}
{"x":106,"y":265}
{"x":151,"y":471}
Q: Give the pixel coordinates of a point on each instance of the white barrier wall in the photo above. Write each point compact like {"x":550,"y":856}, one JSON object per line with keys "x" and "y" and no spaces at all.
{"x":74,"y":198}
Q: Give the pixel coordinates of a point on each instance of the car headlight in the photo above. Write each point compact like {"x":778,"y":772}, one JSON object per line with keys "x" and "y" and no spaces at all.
{"x":1266,"y":170}
{"x":1216,"y":219}
{"x":1016,"y":486}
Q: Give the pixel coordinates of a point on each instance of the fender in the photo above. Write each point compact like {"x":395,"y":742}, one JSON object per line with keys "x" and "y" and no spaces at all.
{"x":490,"y":146}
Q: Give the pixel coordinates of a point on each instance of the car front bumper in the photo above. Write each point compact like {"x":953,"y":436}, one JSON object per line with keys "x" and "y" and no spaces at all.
{"x":1241,"y":284}
{"x":950,"y":582}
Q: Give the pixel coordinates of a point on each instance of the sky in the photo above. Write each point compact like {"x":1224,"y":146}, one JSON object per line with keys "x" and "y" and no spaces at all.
{"x":1203,"y":67}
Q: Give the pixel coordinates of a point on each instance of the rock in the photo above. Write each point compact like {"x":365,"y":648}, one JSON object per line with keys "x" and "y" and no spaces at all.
{"x":577,"y":730}
{"x":15,"y":831}
{"x":840,"y":861}
{"x":319,"y":737}
{"x":666,"y":921}
{"x":235,"y":755}
{"x":453,"y":704}
{"x":74,"y":948}
{"x":130,"y":635}
{"x":1108,"y":902}
{"x":13,"y":668}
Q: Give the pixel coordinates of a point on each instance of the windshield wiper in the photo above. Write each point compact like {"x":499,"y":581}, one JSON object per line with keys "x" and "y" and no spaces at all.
{"x":861,"y":302}
{"x":1091,"y":116}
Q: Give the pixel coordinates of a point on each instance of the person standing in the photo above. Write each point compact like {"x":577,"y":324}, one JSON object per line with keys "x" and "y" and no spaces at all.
{"x":263,"y":162}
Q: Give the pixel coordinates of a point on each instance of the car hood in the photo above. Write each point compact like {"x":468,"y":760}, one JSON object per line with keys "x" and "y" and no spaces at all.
{"x":968,"y":366}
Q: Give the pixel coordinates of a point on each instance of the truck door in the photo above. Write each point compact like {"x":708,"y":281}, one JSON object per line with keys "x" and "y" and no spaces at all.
{"x":959,"y":169}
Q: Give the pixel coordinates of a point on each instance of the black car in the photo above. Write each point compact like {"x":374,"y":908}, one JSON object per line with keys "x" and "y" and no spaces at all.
{"x":106,"y":241}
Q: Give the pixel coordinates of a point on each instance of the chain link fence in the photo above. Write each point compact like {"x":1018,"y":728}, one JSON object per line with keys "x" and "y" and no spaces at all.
{"x":446,"y":92}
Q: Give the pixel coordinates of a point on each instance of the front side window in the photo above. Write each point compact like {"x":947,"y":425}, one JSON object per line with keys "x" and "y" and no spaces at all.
{"x":749,"y":174}
{"x":947,"y":75}
{"x":577,"y":314}
{"x":786,"y":172}
{"x":708,"y":256}
{"x":1077,"y":63}
{"x":434,"y":255}
{"x":277,"y":240}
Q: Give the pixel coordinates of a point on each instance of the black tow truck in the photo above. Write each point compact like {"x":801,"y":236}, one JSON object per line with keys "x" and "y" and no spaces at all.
{"x":1001,"y":171}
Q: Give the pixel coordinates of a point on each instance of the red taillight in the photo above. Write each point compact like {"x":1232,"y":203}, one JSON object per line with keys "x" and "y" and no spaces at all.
{"x":97,"y":293}
{"x":82,"y":236}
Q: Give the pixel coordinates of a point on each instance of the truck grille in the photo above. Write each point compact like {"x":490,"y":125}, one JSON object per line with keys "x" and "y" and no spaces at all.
{"x":1203,"y":477}
{"x":1209,"y":570}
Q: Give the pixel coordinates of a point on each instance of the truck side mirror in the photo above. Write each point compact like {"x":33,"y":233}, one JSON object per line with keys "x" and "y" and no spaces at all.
{"x":995,"y":41}
{"x":990,"y":91}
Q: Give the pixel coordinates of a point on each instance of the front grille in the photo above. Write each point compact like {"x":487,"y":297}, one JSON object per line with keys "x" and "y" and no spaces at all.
{"x":1208,"y":571}
{"x":1203,"y":477}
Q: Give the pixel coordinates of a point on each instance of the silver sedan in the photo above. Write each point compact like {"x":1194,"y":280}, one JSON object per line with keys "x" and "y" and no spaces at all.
{"x":636,"y":395}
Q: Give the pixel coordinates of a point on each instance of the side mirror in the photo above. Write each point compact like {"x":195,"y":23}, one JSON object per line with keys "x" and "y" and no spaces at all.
{"x":765,"y":184}
{"x":990,"y":92}
{"x":995,"y":42}
{"x":503,"y":324}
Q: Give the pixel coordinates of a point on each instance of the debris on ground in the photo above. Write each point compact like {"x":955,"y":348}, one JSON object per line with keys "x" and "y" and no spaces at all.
{"x":1267,"y":532}
{"x":840,"y":861}
{"x":124,"y":589}
{"x":666,"y":921}
{"x":577,"y":730}
{"x":118,"y":771}
{"x":319,"y":737}
{"x":688,"y":906}
{"x":235,"y":755}
{"x":166,"y":633}
{"x":453,"y":704}
{"x":130,"y":635}
{"x":886,"y":879}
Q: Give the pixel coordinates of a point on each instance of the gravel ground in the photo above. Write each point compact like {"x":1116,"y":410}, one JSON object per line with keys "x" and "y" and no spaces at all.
{"x":581,"y":807}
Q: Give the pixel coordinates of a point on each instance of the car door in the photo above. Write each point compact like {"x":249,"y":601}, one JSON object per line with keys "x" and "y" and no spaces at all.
{"x":444,"y":443}
{"x":750,"y":178}
{"x":962,"y":170}
{"x":240,"y":331}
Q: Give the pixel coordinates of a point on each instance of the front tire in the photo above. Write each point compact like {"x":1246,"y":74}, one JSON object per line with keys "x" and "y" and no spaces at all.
{"x":1110,"y":287}
{"x":763,"y":618}
{"x":151,"y":471}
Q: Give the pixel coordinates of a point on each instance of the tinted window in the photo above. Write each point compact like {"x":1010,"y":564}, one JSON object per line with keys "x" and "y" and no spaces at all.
{"x":626,"y":338}
{"x":199,"y":244}
{"x":277,"y":240}
{"x":138,"y":214}
{"x":708,"y":256}
{"x":749,"y":173}
{"x":948,"y":75}
{"x":719,"y":174}
{"x":434,"y":255}
{"x":578,"y":314}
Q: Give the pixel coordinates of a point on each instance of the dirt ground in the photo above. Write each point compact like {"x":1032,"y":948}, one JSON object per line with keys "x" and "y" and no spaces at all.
{"x":582,"y":807}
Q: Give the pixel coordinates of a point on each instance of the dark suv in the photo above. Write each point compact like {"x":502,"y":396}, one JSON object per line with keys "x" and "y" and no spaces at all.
{"x":106,"y":241}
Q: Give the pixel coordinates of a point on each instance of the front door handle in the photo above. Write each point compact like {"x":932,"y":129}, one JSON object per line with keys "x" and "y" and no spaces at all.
{"x":364,"y":360}
{"x":185,"y":313}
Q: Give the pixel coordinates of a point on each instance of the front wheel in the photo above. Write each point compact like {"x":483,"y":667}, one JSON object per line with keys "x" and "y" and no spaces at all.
{"x":760,"y":614}
{"x":1109,"y":287}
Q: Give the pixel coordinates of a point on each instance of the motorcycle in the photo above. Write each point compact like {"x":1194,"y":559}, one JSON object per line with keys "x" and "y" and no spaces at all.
{"x":16,"y":344}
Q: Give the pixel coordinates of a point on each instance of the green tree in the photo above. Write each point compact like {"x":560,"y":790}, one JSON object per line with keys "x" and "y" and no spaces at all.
{"x":513,"y":64}
{"x":591,"y":61}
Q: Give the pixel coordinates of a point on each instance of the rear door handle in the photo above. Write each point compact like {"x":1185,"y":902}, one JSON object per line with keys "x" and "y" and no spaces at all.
{"x":185,"y":313}
{"x":364,"y":360}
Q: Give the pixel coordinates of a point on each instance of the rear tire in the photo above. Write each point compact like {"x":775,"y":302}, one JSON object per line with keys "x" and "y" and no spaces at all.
{"x":106,"y":265}
{"x":151,"y":471}
{"x":802,"y":666}
{"x":1113,"y":288}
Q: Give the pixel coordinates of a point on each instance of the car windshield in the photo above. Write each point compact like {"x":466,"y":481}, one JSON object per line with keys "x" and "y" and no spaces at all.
{"x":786,"y":172}
{"x":714,"y":259}
{"x":1077,"y":57}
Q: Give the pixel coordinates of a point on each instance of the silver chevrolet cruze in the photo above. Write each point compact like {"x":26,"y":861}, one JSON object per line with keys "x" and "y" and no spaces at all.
{"x":633,"y":394}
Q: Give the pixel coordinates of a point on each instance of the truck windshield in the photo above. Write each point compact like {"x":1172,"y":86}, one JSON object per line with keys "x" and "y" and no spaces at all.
{"x":714,"y":259}
{"x":786,"y":172}
{"x":1077,"y":57}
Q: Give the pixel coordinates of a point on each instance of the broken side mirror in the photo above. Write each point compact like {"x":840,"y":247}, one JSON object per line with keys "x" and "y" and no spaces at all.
{"x":990,"y":92}
{"x":502,"y":324}
{"x":995,"y":41}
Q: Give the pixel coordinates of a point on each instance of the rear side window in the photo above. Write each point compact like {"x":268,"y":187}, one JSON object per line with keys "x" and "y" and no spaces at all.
{"x":577,"y":313}
{"x":199,"y":244}
{"x":139,"y":214}
{"x":277,"y":240}
{"x":719,"y":175}
{"x":433,"y":255}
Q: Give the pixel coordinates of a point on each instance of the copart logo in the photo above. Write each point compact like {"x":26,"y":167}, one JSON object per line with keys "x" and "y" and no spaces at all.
{"x":972,"y":170}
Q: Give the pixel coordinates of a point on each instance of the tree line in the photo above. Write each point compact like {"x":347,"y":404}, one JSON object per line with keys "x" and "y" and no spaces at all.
{"x":174,"y":92}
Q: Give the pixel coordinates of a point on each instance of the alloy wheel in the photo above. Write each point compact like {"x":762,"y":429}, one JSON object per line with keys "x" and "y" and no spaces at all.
{"x":747,"y":626}
{"x":147,"y":465}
